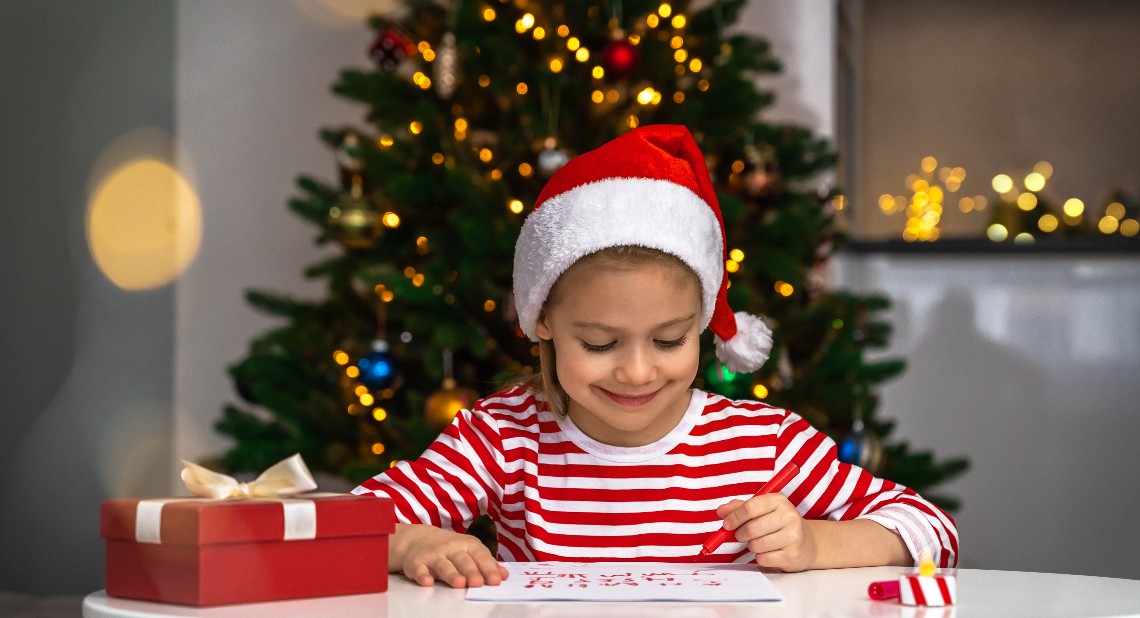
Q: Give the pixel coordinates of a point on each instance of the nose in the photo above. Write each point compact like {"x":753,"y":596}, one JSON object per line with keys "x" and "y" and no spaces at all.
{"x":636,"y":366}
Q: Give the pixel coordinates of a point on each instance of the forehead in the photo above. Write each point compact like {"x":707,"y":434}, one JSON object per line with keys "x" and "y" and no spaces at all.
{"x":629,"y":296}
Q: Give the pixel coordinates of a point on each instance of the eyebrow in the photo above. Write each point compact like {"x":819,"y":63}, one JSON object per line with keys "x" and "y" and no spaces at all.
{"x":613,"y":329}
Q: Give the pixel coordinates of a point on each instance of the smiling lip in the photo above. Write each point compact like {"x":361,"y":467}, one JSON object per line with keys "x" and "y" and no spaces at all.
{"x":631,"y":401}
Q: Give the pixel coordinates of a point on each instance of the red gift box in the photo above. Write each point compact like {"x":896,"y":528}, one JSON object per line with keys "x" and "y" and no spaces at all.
{"x":215,"y":552}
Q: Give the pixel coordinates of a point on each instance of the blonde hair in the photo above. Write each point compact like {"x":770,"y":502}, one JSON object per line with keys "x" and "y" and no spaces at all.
{"x":616,"y":258}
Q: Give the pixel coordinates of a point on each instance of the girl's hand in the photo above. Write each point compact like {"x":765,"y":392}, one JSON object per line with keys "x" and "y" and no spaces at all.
{"x":773,"y":530}
{"x":459,"y":560}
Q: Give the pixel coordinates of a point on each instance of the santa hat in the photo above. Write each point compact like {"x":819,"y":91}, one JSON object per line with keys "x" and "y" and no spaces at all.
{"x":649,"y":187}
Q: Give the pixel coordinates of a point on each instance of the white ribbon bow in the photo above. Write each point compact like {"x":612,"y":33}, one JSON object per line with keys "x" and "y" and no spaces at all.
{"x":287,"y":477}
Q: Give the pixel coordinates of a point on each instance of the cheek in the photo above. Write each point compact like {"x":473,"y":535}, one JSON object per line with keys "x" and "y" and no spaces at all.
{"x":688,"y":361}
{"x":574,"y":362}
{"x":685,"y":361}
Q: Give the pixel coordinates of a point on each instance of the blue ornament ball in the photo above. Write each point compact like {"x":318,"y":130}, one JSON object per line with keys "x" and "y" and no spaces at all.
{"x":378,"y":367}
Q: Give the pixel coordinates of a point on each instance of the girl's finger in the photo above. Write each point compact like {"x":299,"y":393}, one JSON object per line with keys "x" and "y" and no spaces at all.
{"x":492,"y":571}
{"x":446,"y":572}
{"x":467,"y":567}
{"x":420,"y":574}
{"x":771,"y":541}
{"x":773,"y":559}
{"x":727,"y":507}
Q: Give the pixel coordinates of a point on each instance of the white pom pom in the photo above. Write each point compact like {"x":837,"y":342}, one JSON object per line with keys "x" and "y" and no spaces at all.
{"x":747,"y":350}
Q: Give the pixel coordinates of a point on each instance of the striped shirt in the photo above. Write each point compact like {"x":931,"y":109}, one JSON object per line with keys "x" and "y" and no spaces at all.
{"x":554,"y":493}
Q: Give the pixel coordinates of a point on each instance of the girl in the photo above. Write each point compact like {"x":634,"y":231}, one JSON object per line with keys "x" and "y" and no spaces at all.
{"x":610,"y":455}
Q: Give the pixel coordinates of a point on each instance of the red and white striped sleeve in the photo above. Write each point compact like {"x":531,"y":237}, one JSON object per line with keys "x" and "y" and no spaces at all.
{"x":458,"y":478}
{"x":827,"y":488}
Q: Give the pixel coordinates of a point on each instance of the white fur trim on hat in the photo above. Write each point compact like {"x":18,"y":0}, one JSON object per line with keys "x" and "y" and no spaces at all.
{"x":615,"y":211}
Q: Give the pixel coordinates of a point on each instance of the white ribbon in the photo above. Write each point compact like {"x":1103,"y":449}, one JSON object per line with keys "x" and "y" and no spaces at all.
{"x":286,"y":478}
{"x":300,"y":519}
{"x":148,"y":517}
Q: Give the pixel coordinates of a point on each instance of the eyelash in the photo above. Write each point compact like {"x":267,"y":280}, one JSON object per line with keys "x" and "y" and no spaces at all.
{"x":672,"y":343}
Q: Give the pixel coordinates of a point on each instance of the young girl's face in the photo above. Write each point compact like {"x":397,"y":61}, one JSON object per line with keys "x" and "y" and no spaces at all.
{"x":627,"y":348}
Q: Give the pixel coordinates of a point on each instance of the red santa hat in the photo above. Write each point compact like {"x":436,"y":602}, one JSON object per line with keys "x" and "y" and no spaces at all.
{"x":650,"y":187}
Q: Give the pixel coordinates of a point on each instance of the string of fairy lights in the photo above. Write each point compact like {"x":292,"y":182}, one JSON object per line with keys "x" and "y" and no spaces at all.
{"x":1019,"y":214}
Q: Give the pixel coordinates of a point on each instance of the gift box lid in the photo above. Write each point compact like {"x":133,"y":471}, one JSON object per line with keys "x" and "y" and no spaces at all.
{"x":199,"y":521}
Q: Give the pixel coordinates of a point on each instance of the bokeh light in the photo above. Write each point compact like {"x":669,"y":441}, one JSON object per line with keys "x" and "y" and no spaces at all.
{"x":144,"y":220}
{"x":997,"y":232}
{"x":1002,"y":183}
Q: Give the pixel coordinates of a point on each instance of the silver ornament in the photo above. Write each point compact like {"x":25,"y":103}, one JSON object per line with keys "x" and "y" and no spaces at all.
{"x":552,"y":158}
{"x":446,"y":66}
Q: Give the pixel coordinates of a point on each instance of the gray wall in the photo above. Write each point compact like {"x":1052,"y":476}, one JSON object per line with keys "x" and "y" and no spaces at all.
{"x":253,"y":83}
{"x":86,"y":368}
{"x":1026,"y":365}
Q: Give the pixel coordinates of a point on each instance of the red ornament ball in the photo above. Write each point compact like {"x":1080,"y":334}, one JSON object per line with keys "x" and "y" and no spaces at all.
{"x":620,"y":57}
{"x":391,"y":47}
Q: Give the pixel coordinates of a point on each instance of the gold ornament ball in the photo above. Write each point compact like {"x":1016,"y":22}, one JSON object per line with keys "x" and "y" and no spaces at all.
{"x":355,"y":223}
{"x":444,"y":404}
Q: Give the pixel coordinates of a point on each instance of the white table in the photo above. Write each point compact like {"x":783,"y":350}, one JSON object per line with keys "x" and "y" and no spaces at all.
{"x":839,"y":592}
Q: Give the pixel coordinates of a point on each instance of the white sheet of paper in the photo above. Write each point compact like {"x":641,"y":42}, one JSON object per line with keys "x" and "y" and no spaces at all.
{"x":629,"y":581}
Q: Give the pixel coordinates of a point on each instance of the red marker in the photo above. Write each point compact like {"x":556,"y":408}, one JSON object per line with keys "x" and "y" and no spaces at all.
{"x":776,"y":483}
{"x":883,"y":591}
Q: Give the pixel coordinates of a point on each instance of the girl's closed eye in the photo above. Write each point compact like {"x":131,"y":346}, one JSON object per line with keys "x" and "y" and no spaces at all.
{"x":672,"y":343}
{"x":590,"y":347}
{"x":666,"y":344}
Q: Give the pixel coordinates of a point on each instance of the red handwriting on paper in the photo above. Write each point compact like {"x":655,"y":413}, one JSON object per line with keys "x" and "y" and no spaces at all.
{"x":547,"y":579}
{"x":617,"y":579}
{"x":539,"y":581}
{"x":661,"y":579}
{"x":553,"y":579}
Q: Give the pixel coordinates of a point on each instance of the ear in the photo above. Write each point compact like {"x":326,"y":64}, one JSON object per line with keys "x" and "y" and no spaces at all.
{"x":542,"y":326}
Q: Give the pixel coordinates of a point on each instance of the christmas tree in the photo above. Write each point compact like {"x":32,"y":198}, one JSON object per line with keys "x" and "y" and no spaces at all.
{"x":471,"y":106}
